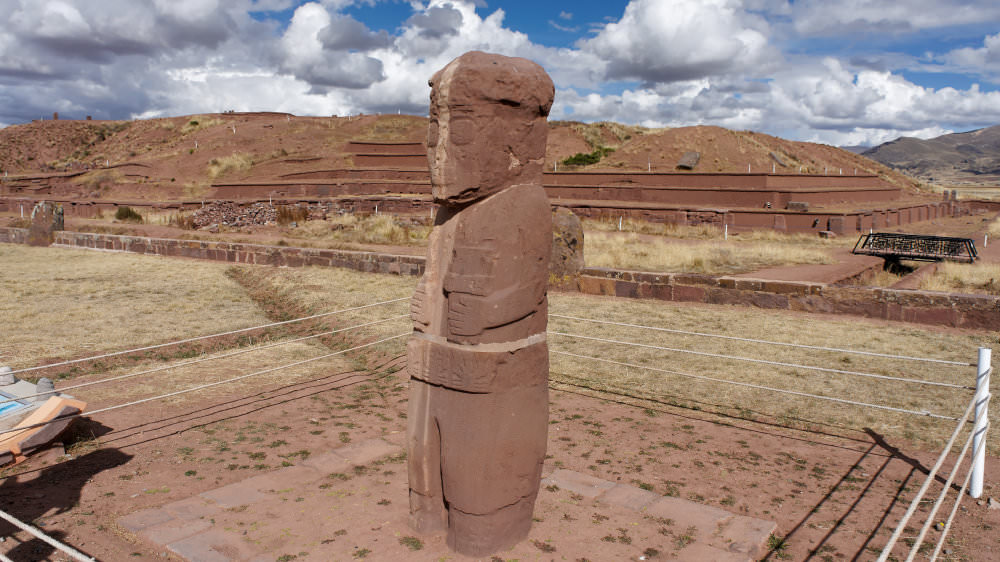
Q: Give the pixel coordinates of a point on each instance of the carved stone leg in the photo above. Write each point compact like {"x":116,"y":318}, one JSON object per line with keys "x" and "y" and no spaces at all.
{"x":427,"y":509}
{"x":480,"y":535}
{"x":492,"y":450}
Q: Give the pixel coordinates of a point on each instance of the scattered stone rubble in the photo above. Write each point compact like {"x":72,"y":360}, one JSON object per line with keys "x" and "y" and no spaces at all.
{"x":229,"y":213}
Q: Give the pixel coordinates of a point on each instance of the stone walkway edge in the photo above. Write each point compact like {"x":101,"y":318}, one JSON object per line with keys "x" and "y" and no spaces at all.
{"x":185,"y":526}
{"x":723,"y":536}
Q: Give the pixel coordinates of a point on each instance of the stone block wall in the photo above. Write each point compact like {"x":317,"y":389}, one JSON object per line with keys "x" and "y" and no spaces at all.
{"x":231,"y":252}
{"x":14,"y":235}
{"x":981,"y":312}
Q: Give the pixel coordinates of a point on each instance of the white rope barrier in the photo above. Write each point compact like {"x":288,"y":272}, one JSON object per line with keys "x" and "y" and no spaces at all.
{"x":958,"y":500}
{"x":760,"y":387}
{"x":937,"y":503}
{"x":204,"y":359}
{"x":204,"y":386}
{"x":76,"y":554}
{"x":927,"y":483}
{"x":199,"y":338}
{"x":766,"y":362}
{"x":750,"y":340}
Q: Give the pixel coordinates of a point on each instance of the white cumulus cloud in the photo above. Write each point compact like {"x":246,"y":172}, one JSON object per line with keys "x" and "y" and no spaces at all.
{"x":657,"y":41}
{"x":743,"y":64}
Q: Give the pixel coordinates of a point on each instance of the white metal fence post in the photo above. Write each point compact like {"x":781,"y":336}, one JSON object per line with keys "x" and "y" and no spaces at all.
{"x":982,"y":395}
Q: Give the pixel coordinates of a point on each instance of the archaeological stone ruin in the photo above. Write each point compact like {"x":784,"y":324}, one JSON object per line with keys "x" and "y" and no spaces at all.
{"x":46,"y":219}
{"x":478,"y":358}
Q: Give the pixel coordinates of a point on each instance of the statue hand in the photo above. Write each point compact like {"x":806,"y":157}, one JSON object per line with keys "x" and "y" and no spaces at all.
{"x":464,"y":317}
{"x":419,"y":311}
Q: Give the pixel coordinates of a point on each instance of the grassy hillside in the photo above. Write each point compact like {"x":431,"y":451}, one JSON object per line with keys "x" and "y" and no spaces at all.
{"x":181,"y":156}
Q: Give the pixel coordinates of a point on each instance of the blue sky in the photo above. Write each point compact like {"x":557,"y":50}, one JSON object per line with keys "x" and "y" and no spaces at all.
{"x":841,"y":72}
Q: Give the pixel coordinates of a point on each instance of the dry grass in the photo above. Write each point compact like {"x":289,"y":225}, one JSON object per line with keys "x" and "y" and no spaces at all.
{"x":699,"y":232}
{"x":994,"y":228}
{"x":358,"y":229}
{"x":953,"y":277}
{"x":198,"y":123}
{"x":961,"y":227}
{"x":630,"y":251}
{"x":394,"y":128}
{"x":196,"y":189}
{"x":190,"y":376}
{"x":593,"y":133}
{"x":764,"y":405}
{"x":710,"y":232}
{"x":64,"y":302}
{"x":297,"y":292}
{"x":319,"y":289}
{"x":236,"y":162}
{"x":883,"y":278}
{"x":60,"y":303}
{"x":98,"y":180}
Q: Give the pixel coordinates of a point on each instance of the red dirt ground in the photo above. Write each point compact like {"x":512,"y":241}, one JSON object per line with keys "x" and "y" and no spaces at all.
{"x":828,"y":489}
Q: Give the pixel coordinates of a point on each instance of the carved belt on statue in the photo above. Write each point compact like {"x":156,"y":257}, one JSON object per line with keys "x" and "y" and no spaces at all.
{"x":479,"y":368}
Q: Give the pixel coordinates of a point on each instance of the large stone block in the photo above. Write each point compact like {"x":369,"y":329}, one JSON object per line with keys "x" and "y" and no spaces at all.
{"x":46,"y":219}
{"x":566,"y":261}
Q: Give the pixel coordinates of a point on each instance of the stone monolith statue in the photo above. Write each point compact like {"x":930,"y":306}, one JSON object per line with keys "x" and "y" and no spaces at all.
{"x":46,"y":219}
{"x":478,"y":361}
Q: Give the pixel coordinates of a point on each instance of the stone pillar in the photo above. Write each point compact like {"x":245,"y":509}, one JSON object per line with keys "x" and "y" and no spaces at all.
{"x":478,"y":359}
{"x":836,"y":225}
{"x":46,"y":218}
{"x":779,"y":222}
{"x":567,"y":247}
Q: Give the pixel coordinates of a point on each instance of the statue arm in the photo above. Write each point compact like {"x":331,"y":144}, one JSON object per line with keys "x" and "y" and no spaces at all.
{"x":419,"y":309}
{"x":469,"y":315}
{"x":503,"y":279}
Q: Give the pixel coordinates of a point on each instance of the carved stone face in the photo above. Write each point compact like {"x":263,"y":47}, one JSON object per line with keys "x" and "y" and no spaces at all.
{"x":484,"y":123}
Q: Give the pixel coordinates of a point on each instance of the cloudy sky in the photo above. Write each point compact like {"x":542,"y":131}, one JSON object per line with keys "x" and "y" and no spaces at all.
{"x":841,"y":72}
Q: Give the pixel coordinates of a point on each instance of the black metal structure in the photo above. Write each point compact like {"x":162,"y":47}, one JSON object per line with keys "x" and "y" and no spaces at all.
{"x":894,"y":246}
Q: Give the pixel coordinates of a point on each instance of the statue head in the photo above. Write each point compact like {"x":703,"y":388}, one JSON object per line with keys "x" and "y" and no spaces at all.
{"x":487,"y":126}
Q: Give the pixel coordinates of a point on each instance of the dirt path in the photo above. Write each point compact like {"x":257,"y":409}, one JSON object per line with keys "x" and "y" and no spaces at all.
{"x":848,"y":265}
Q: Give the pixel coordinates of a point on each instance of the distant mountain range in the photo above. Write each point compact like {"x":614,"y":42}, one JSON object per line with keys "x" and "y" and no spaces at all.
{"x":857,"y":149}
{"x":971,"y":158}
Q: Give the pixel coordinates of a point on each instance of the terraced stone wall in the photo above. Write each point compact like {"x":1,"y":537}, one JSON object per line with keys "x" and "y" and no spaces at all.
{"x":980,"y":312}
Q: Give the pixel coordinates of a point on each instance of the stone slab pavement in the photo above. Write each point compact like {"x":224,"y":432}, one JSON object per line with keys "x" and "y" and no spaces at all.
{"x":187,"y":527}
{"x":206,"y":527}
{"x":729,"y":537}
{"x":847,"y":265}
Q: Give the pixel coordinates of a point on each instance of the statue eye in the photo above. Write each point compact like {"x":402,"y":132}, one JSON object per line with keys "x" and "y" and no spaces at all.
{"x":462,"y":131}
